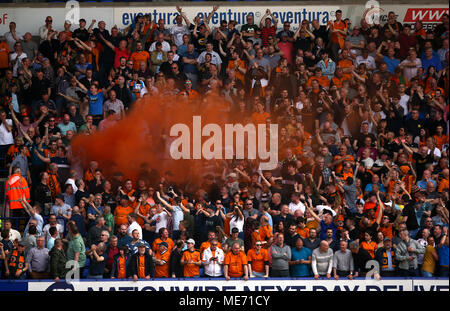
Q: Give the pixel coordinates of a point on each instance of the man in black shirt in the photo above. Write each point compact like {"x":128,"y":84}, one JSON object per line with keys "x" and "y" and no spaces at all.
{"x":409,"y":217}
{"x":292,"y":236}
{"x":42,"y":193}
{"x":38,"y":85}
{"x":422,"y":159}
{"x":320,"y":31}
{"x":81,"y":33}
{"x":414,"y":124}
{"x":312,"y":242}
{"x":360,"y":258}
{"x":289,"y":180}
{"x":123,"y":93}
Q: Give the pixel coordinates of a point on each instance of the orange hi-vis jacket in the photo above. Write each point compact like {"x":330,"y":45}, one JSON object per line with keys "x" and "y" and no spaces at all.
{"x":16,"y":187}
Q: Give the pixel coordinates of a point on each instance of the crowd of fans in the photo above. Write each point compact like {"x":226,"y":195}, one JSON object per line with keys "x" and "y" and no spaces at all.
{"x":363,"y":117}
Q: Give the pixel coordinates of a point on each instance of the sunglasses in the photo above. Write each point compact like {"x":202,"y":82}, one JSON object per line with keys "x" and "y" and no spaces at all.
{"x":258,"y":244}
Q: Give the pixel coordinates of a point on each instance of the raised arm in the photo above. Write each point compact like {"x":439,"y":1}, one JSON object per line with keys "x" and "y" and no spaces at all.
{"x":164,"y":202}
{"x":108,"y":43}
{"x":313,"y":214}
{"x":215,"y":8}
{"x":186,"y":19}
{"x":380,"y":214}
{"x":91,"y":26}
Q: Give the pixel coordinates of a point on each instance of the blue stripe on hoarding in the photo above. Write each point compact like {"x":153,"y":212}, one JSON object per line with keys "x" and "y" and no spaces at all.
{"x":13,"y":286}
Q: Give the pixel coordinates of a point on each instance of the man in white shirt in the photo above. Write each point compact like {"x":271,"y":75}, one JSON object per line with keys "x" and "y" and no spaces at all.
{"x":43,"y":30}
{"x":6,"y":135}
{"x":12,"y":36}
{"x":410,"y":65}
{"x":161,"y":217}
{"x":365,"y":58}
{"x":404,"y":98}
{"x":52,"y":223}
{"x":165,"y":44}
{"x":178,"y":30}
{"x":215,"y":58}
{"x":212,"y":259}
{"x":296,"y":204}
{"x":133,"y":225}
{"x":16,"y":57}
{"x":13,"y":233}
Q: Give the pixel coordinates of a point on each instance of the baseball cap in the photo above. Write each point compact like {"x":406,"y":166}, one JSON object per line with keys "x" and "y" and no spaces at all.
{"x":164,"y":244}
{"x":234,"y":230}
{"x":60,"y":196}
{"x":141,"y":245}
{"x":190,"y":241}
{"x":386,"y":239}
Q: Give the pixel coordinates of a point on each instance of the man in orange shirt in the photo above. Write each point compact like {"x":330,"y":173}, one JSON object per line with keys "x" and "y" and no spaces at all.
{"x":338,"y":30}
{"x":302,"y":230}
{"x":163,"y":237}
{"x":141,"y":264}
{"x":142,"y":209}
{"x":346,"y":63}
{"x":238,"y":65}
{"x":211,"y":236}
{"x":235,"y":263}
{"x":260,"y":116}
{"x":266,"y":232}
{"x":162,"y":261}
{"x":191,"y":261}
{"x":340,"y":77}
{"x":258,"y":261}
{"x":139,"y":56}
{"x":4,"y":55}
{"x":121,"y":211}
{"x":443,"y":184}
{"x":323,"y":80}
{"x":340,"y":158}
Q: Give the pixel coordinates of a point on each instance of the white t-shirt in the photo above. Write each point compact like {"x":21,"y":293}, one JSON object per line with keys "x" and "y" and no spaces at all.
{"x":293,"y":207}
{"x":58,"y":227}
{"x":161,"y":220}
{"x":369,"y":61}
{"x":13,"y":57}
{"x":178,"y":32}
{"x":236,"y":222}
{"x":404,"y":103}
{"x":10,"y":39}
{"x":165,"y":46}
{"x":13,"y":235}
{"x":134,"y":226}
{"x":411,"y":72}
{"x":6,"y":138}
{"x":215,"y":58}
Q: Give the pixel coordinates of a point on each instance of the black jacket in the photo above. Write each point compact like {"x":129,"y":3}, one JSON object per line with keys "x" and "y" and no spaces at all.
{"x":149,"y":266}
{"x":175,"y":266}
{"x":115,"y":267}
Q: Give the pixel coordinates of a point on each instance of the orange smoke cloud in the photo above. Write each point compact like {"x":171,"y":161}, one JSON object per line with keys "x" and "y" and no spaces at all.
{"x":138,"y":138}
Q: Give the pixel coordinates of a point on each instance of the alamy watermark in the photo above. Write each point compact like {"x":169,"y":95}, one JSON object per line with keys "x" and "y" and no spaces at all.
{"x":73,"y":12}
{"x":372,"y":13}
{"x":215,"y":147}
